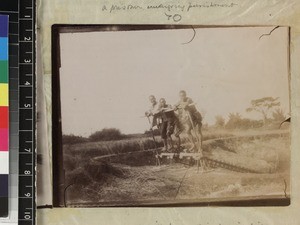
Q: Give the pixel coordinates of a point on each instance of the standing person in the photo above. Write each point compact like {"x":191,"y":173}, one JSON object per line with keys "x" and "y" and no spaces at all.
{"x":193,"y":118}
{"x":169,"y":123}
{"x":153,"y":112}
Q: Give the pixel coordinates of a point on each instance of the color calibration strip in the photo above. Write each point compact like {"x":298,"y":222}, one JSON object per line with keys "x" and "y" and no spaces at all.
{"x":4,"y":116}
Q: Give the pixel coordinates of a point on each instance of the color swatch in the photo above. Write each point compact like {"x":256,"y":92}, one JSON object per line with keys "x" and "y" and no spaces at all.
{"x":4,"y":116}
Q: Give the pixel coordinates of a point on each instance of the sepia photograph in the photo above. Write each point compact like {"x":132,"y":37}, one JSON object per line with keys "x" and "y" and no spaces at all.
{"x":160,"y":115}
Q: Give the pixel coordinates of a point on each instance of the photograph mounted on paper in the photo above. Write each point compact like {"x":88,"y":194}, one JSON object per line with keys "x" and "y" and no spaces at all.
{"x":161,"y":115}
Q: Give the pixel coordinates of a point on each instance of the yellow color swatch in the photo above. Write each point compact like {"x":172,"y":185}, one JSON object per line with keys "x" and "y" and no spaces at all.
{"x":3,"y":94}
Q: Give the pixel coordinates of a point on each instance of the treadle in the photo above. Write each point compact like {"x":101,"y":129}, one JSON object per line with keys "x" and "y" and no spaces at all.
{"x":237,"y":162}
{"x":168,"y":155}
{"x":215,"y":164}
{"x":195,"y":156}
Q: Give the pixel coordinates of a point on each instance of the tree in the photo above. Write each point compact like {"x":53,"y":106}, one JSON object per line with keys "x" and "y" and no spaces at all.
{"x":220,"y":121}
{"x":263,"y":106}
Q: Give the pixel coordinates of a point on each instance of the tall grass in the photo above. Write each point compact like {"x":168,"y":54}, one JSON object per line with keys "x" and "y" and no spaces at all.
{"x":102,"y":148}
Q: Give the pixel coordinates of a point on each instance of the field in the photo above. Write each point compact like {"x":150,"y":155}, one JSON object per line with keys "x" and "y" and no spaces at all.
{"x":109,"y":173}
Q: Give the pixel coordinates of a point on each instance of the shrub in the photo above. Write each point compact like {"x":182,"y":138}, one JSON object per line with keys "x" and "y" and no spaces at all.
{"x":220,"y":121}
{"x":107,"y":134}
{"x":73,"y":139}
{"x":237,"y":122}
{"x":149,"y":133}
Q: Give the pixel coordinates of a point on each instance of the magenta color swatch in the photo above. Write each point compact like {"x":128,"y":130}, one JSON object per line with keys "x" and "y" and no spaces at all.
{"x":3,"y":139}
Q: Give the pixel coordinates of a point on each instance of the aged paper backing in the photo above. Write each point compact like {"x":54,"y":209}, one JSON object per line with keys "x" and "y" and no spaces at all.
{"x":235,"y":13}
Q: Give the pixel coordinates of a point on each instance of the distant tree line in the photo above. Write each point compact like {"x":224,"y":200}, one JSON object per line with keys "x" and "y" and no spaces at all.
{"x":73,"y":139}
{"x":267,"y":107}
{"x":149,"y":133}
{"x":235,"y":121}
{"x":106,"y":134}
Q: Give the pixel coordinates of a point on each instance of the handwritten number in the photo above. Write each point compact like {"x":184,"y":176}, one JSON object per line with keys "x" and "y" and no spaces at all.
{"x":168,"y":16}
{"x":175,"y":17}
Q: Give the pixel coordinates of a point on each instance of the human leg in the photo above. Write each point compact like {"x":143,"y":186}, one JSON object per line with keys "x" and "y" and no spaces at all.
{"x":170,"y":131}
{"x":178,"y":130}
{"x":164,"y":137}
{"x":191,"y":139}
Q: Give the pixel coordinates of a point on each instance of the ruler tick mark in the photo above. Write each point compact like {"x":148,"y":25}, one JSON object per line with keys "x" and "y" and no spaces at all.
{"x":9,"y":11}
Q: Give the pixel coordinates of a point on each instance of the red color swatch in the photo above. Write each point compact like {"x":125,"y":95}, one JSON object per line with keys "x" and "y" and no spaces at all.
{"x":4,"y":117}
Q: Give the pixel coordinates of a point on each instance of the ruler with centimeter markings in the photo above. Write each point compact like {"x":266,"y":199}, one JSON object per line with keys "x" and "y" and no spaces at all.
{"x":22,"y":101}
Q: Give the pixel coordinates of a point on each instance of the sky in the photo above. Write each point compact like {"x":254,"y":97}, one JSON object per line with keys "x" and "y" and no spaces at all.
{"x":106,"y":77}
